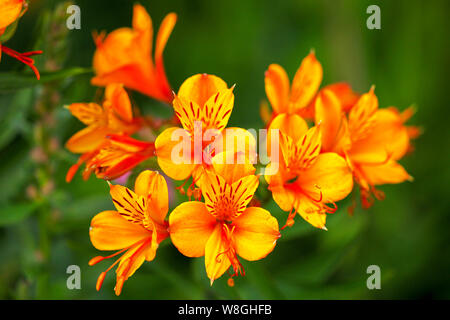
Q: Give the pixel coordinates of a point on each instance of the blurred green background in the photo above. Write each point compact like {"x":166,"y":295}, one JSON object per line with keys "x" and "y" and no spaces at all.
{"x":44,"y":221}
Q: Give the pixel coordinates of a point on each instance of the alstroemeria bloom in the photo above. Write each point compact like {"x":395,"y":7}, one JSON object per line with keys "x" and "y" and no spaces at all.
{"x":11,"y":10}
{"x":203,"y":105}
{"x":371,"y":139}
{"x":125,"y":56}
{"x":289,"y":100}
{"x":117,"y":155}
{"x":223,"y":227}
{"x":135,"y":229}
{"x":114,"y":116}
{"x":306,"y":179}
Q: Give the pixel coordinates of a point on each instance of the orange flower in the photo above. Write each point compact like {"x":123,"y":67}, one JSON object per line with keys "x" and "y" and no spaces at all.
{"x":371,"y":139}
{"x":125,"y":56}
{"x":117,"y":155}
{"x":135,"y":229}
{"x":306,"y":179}
{"x":223,"y":227}
{"x":293,"y":99}
{"x":11,"y":11}
{"x":203,"y":104}
{"x":112,"y":117}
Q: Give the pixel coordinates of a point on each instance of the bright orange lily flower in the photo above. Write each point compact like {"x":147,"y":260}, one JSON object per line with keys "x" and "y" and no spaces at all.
{"x":11,"y":10}
{"x":125,"y":56}
{"x":203,"y":104}
{"x":371,"y":139}
{"x":117,"y":155}
{"x":308,"y":180}
{"x":114,"y":116}
{"x":223,"y":227}
{"x":135,"y":229}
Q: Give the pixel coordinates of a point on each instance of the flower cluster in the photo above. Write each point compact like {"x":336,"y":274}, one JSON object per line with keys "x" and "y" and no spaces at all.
{"x":328,"y":139}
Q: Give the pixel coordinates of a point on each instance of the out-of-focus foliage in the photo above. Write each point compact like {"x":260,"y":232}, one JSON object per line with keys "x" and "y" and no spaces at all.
{"x":44,"y":221}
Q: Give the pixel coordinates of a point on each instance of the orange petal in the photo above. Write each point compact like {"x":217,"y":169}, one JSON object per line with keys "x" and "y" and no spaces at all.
{"x":216,"y":259}
{"x":142,"y":22}
{"x":153,"y":186}
{"x":277,"y":88}
{"x":388,"y":136}
{"x":87,"y":139}
{"x":166,"y":145}
{"x":11,"y":10}
{"x":117,"y":98}
{"x":390,"y":172}
{"x":346,"y":96}
{"x":328,"y":113}
{"x":163,"y":35}
{"x":362,"y":116}
{"x":256,"y":233}
{"x":88,"y":113}
{"x":200,"y":87}
{"x":306,"y":82}
{"x":110,"y":231}
{"x":190,"y":226}
{"x":115,"y":52}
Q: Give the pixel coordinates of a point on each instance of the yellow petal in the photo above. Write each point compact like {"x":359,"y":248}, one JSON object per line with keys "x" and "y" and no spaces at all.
{"x":329,"y":175}
{"x":200,"y":87}
{"x":225,"y":201}
{"x":277,"y":88}
{"x":306,"y":82}
{"x":131,"y":206}
{"x":237,"y":140}
{"x":190,"y":226}
{"x":153,"y":186}
{"x":311,"y":211}
{"x":216,"y":259}
{"x":292,"y":125}
{"x":110,"y":231}
{"x":165,"y":144}
{"x":256,"y":233}
{"x":301,"y":154}
{"x":217,"y":109}
{"x":232,"y":166}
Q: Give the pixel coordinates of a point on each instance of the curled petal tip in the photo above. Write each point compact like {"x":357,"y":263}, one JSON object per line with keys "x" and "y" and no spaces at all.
{"x":324,"y":228}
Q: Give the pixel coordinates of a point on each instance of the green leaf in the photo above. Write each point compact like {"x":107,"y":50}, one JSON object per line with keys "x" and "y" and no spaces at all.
{"x":15,"y":213}
{"x":10,"y":81}
{"x":13,"y":116}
